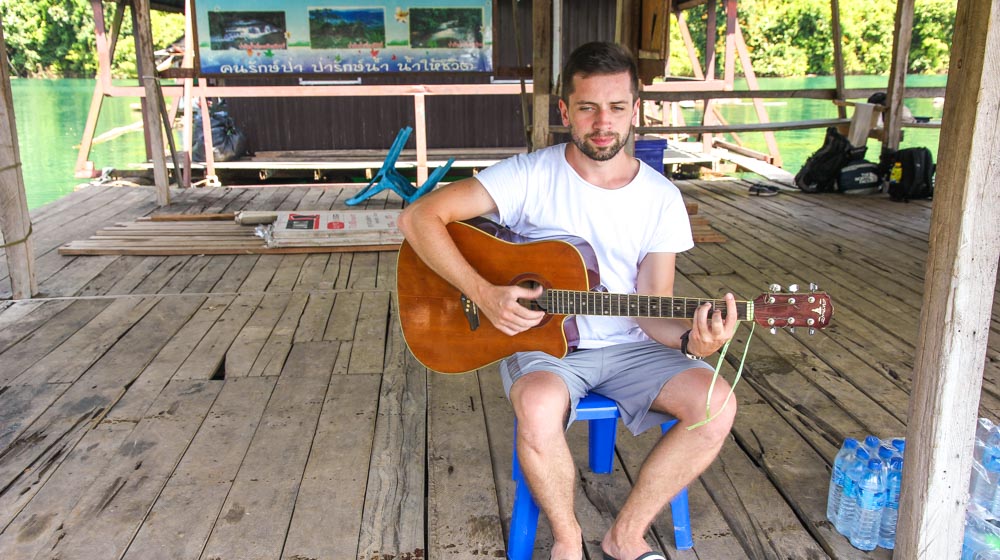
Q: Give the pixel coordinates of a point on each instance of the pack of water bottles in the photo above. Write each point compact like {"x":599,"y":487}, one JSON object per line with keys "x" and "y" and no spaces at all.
{"x":982,"y":518}
{"x":863,"y":501}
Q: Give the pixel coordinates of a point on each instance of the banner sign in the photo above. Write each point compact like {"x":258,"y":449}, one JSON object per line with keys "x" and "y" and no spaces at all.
{"x":336,"y":36}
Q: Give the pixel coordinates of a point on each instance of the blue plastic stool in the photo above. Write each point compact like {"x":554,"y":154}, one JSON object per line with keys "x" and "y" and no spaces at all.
{"x":602,"y":415}
{"x":389,"y":178}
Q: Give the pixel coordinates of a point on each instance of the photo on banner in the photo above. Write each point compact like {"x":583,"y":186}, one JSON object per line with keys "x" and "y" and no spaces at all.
{"x":340,"y":37}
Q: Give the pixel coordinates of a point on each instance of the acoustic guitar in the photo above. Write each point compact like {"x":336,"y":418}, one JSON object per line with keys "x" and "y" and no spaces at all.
{"x":443,"y":329}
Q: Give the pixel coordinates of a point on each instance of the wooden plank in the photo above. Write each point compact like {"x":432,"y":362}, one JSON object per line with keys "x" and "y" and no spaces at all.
{"x":192,"y":498}
{"x":368,"y":353}
{"x":311,"y":359}
{"x":364,"y":271}
{"x":258,"y":508}
{"x":210,"y":274}
{"x":237,"y":273}
{"x":342,"y":321}
{"x":104,"y":520}
{"x":286,"y":275}
{"x":74,"y":276}
{"x":155,"y":376}
{"x":328,"y":512}
{"x":22,"y":318}
{"x":458,"y":471}
{"x":69,"y":360}
{"x":208,"y":357}
{"x":393,"y":524}
{"x":312,"y":324}
{"x":271,"y":358}
{"x":243,"y":352}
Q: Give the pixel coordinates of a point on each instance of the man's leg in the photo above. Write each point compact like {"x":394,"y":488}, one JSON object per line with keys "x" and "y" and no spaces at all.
{"x":541,"y":403}
{"x":675,"y":461}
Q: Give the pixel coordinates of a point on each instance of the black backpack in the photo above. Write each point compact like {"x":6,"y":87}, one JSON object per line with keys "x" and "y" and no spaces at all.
{"x":911,"y":176}
{"x":821,"y":171}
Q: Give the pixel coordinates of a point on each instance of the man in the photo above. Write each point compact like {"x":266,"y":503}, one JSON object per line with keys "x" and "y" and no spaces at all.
{"x":636,"y":221}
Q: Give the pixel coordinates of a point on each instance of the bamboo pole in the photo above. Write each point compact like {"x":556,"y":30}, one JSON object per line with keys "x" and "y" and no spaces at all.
{"x":960,"y":276}
{"x":838,"y":55}
{"x":15,"y":223}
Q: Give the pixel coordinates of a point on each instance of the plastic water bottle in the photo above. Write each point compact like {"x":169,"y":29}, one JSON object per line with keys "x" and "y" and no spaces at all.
{"x":899,"y":444}
{"x":847,"y":510}
{"x":986,"y":473}
{"x":871,"y":500}
{"x":872,"y":444}
{"x":836,"y":491}
{"x":982,"y":537}
{"x":890,"y":514}
{"x":886,"y":452}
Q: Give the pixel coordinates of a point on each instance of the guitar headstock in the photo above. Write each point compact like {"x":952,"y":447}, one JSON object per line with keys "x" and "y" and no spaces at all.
{"x":812,"y":310}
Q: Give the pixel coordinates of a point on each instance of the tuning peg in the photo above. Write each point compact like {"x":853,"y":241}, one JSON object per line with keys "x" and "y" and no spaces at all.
{"x":793,"y":288}
{"x":812,"y":331}
{"x":774,"y":330}
{"x":791,"y":330}
{"x":813,"y":287}
{"x":775,"y":287}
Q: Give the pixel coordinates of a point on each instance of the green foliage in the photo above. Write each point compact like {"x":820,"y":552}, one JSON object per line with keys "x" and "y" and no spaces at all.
{"x":55,"y":38}
{"x":795,"y":38}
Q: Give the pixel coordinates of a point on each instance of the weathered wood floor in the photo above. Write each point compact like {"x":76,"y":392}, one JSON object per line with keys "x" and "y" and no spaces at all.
{"x":237,"y":407}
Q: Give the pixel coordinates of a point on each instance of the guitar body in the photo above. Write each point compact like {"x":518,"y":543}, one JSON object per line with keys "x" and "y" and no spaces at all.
{"x":433,"y":315}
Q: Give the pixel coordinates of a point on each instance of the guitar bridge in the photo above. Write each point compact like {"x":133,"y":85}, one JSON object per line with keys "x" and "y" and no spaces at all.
{"x":471,"y":311}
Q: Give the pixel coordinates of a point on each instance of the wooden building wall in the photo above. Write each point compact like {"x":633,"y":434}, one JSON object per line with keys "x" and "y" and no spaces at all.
{"x":316,"y":123}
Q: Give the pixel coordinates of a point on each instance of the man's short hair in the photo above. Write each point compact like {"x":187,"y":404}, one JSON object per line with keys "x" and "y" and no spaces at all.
{"x":601,"y":58}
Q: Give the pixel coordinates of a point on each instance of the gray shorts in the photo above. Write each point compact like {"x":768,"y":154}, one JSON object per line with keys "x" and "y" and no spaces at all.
{"x":630,"y":374}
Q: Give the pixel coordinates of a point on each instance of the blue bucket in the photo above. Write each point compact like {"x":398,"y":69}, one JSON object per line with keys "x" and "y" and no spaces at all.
{"x":650,"y":150}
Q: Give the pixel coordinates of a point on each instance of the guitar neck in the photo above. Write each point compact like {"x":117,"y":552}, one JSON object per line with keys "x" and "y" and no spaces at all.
{"x":573,"y":302}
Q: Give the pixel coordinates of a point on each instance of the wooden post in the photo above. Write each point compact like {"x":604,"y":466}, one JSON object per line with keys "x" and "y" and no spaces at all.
{"x":420,"y":127}
{"x":151,"y":119}
{"x":15,"y":223}
{"x":541,"y":23}
{"x":901,"y":39}
{"x":707,"y":116}
{"x":960,"y":276}
{"x":838,"y":55}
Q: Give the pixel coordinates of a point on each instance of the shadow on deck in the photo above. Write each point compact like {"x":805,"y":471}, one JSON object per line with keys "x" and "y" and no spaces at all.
{"x":265,"y":406}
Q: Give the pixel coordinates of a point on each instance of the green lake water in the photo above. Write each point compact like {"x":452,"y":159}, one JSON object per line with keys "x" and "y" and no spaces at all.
{"x":51,"y":115}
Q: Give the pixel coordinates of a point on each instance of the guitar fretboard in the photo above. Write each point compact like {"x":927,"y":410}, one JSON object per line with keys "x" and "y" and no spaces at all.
{"x":573,"y":302}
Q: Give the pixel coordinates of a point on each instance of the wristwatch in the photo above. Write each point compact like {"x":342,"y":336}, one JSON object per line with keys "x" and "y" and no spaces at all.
{"x":684,"y":346}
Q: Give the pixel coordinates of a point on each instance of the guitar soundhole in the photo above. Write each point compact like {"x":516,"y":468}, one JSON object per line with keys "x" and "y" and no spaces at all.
{"x":532,"y":284}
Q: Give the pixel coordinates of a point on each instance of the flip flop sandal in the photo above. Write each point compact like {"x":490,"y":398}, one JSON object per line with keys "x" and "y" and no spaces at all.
{"x":647,"y":556}
{"x":763,"y":190}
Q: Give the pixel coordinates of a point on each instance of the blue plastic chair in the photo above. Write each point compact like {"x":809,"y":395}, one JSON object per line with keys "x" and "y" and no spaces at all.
{"x":602,"y":414}
{"x":389,"y":178}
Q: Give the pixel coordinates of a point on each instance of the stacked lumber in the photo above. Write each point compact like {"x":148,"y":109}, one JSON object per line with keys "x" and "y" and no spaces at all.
{"x":220,"y":234}
{"x":205,"y":237}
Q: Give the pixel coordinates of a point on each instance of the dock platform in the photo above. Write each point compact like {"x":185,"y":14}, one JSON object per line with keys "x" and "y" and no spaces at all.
{"x":266,"y":406}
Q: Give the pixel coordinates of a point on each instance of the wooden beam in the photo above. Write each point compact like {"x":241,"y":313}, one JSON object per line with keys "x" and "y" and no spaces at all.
{"x":15,"y":223}
{"x":151,"y":119}
{"x":541,"y":23}
{"x":961,"y":273}
{"x":838,"y":54}
{"x":901,"y":39}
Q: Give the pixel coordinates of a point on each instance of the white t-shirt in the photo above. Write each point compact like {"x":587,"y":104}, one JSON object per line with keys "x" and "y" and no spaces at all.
{"x":539,"y":195}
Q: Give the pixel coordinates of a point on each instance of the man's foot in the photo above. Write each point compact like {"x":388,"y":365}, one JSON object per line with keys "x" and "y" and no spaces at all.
{"x":567,"y":551}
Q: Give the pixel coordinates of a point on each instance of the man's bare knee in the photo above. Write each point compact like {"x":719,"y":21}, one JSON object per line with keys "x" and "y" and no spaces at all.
{"x":541,"y":405}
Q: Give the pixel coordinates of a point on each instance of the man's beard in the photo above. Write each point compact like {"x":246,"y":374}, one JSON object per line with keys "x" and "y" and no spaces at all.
{"x":603,"y":154}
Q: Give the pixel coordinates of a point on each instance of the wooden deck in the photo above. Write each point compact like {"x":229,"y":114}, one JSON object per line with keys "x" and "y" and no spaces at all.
{"x":264,"y":406}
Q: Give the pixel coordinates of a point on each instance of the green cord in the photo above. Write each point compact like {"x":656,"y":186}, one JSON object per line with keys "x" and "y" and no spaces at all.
{"x":718,"y":366}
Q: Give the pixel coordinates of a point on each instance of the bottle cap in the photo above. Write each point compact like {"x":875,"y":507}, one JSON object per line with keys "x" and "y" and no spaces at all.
{"x":872,"y":442}
{"x":862,"y":454}
{"x":851,"y":443}
{"x":885,"y":452}
{"x":875,"y":464}
{"x":896,"y":463}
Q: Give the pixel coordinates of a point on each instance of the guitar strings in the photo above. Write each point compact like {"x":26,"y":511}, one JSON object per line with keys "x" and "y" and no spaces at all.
{"x":567,"y":302}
